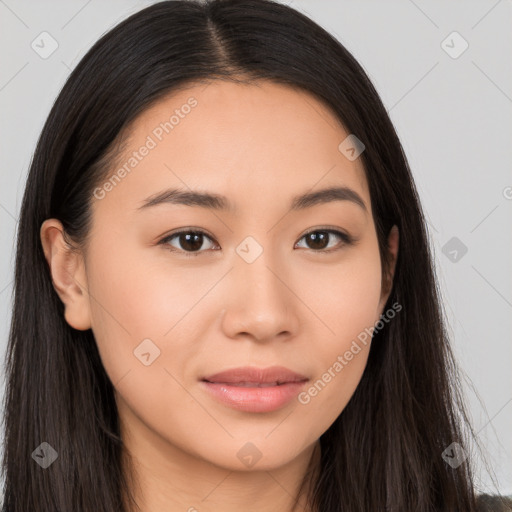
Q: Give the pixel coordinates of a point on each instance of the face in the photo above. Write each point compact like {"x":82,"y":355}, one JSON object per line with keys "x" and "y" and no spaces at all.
{"x":177,"y":292}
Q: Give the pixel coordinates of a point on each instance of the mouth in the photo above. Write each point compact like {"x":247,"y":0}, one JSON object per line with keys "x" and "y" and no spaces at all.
{"x":251,"y":389}
{"x":249,"y":384}
{"x":250,"y":376}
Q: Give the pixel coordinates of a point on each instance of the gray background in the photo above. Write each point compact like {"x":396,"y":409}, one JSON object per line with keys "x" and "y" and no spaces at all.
{"x":453,"y":116}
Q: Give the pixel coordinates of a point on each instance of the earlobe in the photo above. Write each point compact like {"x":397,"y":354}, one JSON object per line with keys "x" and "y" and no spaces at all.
{"x":68,"y":274}
{"x":393,"y":243}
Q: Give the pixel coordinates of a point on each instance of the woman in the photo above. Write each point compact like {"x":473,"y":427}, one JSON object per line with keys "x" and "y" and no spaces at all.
{"x":224,"y":293}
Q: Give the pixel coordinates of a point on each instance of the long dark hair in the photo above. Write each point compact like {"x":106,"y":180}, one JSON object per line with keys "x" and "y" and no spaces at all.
{"x":384,"y":452}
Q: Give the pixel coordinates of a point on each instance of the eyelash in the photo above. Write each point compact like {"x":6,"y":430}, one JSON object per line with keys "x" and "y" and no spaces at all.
{"x":346,"y":238}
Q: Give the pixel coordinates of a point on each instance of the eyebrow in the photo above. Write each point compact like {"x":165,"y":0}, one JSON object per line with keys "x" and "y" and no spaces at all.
{"x":218,"y":202}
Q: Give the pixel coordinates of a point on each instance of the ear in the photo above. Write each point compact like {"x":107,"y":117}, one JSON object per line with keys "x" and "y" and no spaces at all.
{"x":68,"y":274}
{"x":393,"y":239}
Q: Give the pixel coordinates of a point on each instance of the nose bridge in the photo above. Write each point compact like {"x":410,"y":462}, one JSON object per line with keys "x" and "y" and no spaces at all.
{"x":255,"y":270}
{"x":260,"y":303}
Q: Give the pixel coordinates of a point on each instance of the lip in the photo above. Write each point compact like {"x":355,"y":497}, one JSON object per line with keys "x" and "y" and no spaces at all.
{"x":253,"y":389}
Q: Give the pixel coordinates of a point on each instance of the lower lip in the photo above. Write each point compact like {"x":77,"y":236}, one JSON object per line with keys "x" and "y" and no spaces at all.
{"x":247,"y":399}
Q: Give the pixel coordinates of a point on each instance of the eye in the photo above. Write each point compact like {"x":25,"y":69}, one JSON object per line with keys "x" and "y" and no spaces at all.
{"x":189,"y":242}
{"x":320,"y":238}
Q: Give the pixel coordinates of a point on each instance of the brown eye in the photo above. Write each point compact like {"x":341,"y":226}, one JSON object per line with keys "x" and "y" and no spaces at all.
{"x":191,"y":242}
{"x":187,"y":241}
{"x":319,"y":240}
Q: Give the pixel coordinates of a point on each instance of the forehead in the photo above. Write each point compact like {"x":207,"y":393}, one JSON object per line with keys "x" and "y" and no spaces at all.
{"x":254,"y":144}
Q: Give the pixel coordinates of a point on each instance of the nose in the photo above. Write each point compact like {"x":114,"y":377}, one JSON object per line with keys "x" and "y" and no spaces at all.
{"x":260,"y":302}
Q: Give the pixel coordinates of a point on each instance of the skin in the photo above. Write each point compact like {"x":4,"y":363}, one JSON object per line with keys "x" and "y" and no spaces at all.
{"x":259,"y":145}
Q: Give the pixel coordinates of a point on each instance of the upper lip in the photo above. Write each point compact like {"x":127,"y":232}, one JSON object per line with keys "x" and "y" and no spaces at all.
{"x":277,"y":374}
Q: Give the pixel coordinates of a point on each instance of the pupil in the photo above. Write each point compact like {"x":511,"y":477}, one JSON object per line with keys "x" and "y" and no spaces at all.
{"x":191,"y":242}
{"x":320,"y":237}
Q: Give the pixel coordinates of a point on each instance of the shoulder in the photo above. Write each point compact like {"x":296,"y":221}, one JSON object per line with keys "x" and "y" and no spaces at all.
{"x":494,"y":503}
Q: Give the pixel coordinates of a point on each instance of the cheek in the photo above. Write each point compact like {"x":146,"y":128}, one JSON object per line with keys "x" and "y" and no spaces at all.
{"x":344,"y":296}
{"x":136,"y":297}
{"x":128,"y":294}
{"x":346,"y":302}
